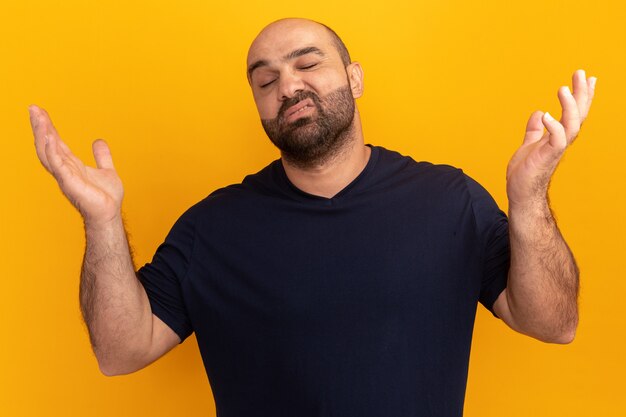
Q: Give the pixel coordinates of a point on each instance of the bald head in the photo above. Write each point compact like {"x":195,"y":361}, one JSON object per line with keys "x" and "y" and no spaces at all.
{"x":339,"y":45}
{"x":294,"y":27}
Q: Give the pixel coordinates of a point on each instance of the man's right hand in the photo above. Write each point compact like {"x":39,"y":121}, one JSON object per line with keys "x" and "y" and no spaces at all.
{"x":97,"y":193}
{"x":124,"y":333}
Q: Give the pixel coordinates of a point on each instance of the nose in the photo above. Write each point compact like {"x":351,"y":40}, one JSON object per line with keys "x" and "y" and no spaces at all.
{"x":289,"y":84}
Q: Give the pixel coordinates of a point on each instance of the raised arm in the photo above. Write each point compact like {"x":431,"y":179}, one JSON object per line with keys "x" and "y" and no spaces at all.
{"x":541,"y":298}
{"x":124,"y":333}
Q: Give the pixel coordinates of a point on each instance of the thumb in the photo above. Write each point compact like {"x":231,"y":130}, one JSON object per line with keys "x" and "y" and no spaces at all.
{"x":102,"y":154}
{"x":534,"y":128}
{"x":556,"y":143}
{"x":556,"y":131}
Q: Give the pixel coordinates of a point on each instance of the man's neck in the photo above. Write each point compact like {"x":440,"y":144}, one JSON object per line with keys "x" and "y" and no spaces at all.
{"x":332,"y":176}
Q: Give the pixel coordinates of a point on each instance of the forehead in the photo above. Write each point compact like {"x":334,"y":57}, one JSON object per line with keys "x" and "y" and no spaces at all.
{"x":280,"y":38}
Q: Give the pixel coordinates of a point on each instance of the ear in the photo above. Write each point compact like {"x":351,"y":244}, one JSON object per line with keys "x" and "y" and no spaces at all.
{"x":355,"y":77}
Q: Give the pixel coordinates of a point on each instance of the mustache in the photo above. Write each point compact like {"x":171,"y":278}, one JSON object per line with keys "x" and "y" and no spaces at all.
{"x":298,"y":97}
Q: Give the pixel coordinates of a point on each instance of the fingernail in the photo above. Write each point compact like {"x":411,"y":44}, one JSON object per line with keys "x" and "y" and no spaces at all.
{"x":549,"y":117}
{"x":592,"y":82}
{"x":567,"y":90}
{"x":45,"y":140}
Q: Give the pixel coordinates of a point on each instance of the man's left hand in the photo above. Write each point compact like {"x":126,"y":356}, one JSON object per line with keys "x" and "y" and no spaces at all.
{"x":532,"y":165}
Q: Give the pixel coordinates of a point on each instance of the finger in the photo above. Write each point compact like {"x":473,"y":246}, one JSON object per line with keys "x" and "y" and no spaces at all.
{"x":579,"y":84}
{"x":102,"y":154}
{"x":534,"y":128}
{"x":44,"y":131}
{"x":557,"y":139}
{"x":570,"y":116}
{"x":591,"y":90}
{"x":38,"y":125}
{"x":41,"y":122}
{"x":54,"y":158}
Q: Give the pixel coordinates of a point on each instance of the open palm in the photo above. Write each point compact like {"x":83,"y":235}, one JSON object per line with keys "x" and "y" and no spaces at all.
{"x":96,"y":192}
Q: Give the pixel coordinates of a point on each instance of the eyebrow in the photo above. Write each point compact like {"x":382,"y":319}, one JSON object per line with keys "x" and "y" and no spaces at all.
{"x":291,"y":55}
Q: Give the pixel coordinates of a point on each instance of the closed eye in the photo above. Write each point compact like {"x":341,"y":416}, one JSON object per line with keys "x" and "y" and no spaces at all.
{"x":305,"y":67}
{"x":267,"y":84}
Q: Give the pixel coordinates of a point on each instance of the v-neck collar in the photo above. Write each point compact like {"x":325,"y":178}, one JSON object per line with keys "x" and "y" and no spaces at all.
{"x":341,"y":195}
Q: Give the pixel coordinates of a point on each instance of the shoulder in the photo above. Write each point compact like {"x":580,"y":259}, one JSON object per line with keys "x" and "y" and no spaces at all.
{"x":440,"y":183}
{"x":395,"y":168}
{"x":237,"y":199}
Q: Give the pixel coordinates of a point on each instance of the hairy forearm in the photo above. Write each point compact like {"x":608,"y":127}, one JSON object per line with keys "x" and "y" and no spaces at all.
{"x":542,"y":290}
{"x":113,"y":302}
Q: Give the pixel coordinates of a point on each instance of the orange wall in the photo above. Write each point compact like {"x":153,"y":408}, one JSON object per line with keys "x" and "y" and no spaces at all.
{"x":446,"y":81}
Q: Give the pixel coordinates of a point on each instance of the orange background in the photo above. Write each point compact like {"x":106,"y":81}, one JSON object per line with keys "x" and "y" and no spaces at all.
{"x":164,"y":82}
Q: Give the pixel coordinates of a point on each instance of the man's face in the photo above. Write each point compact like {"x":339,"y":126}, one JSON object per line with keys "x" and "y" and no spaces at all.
{"x":301,"y":89}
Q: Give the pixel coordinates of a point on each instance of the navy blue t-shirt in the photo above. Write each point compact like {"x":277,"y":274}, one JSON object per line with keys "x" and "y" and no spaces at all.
{"x":353,"y":306}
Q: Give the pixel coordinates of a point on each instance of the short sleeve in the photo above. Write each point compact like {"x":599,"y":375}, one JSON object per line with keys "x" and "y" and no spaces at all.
{"x":493,"y":232}
{"x":162,"y":277}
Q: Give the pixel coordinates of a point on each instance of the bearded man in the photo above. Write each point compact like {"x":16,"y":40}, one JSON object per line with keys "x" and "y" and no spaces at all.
{"x":342,"y":279}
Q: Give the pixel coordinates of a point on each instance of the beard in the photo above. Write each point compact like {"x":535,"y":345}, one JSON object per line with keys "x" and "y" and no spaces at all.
{"x":313,"y":140}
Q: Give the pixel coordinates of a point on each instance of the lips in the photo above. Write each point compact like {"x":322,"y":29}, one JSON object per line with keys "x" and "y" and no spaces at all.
{"x":299,"y":107}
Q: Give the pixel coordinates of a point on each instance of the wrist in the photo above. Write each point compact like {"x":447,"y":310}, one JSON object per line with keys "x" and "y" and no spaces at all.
{"x":538,"y":207}
{"x":530,"y":219}
{"x":103,"y":223}
{"x":533,"y":201}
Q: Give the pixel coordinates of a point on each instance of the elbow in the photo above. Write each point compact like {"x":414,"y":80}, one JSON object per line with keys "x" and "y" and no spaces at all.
{"x":116,"y":366}
{"x":568,"y":332}
{"x":108,"y":371}
{"x":562,"y":336}
{"x":112,"y":369}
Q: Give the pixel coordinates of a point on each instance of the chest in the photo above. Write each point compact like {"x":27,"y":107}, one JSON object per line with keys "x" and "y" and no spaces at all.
{"x":373,"y":261}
